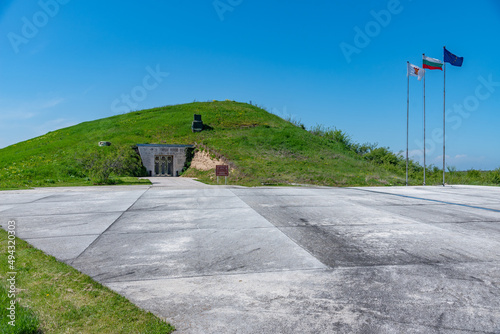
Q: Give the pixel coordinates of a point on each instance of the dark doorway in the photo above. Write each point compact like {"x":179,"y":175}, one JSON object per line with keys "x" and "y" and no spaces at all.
{"x":164,"y":165}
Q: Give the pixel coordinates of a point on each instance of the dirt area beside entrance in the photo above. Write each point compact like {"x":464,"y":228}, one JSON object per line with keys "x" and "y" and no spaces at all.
{"x":203,"y":161}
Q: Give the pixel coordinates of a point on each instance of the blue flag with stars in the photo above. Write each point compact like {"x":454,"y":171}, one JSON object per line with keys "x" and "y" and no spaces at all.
{"x":452,"y":59}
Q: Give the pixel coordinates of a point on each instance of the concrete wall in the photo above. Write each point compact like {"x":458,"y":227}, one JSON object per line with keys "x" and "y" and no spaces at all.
{"x":149,"y":151}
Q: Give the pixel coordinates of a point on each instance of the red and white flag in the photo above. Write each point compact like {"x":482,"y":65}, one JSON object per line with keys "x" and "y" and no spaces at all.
{"x":415,"y":71}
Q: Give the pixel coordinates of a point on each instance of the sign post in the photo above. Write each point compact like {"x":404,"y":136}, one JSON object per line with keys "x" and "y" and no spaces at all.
{"x":222,"y":170}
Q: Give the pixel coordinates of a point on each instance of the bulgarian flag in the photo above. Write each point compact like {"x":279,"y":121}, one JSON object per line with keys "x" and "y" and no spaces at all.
{"x":432,"y":63}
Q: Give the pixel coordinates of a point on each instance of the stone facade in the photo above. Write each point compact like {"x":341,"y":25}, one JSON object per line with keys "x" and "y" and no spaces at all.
{"x":163,"y":160}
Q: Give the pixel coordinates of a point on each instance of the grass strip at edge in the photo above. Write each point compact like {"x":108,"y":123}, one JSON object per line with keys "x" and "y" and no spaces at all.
{"x":67,"y":301}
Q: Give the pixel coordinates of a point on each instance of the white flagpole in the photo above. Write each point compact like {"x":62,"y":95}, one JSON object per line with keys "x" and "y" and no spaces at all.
{"x":424,"y":123}
{"x":444,"y":118}
{"x":407,"y":116}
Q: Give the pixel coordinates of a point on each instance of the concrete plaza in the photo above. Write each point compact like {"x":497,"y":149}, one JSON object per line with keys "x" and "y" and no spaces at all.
{"x":229,"y":259}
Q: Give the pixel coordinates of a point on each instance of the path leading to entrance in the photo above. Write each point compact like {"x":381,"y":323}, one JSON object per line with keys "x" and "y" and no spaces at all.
{"x":281,"y":260}
{"x":176,"y":182}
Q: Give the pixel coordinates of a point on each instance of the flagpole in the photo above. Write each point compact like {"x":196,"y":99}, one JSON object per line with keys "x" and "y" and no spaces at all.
{"x":444,"y":118}
{"x":424,"y":124}
{"x":407,"y":117}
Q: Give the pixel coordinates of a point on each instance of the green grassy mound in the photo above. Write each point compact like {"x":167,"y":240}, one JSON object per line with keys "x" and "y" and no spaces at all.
{"x":262,"y":149}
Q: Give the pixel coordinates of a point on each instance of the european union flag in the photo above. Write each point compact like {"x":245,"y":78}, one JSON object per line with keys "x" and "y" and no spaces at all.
{"x":452,"y":59}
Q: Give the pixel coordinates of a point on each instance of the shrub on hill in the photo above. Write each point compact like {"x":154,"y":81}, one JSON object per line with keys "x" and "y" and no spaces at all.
{"x":102,"y":162}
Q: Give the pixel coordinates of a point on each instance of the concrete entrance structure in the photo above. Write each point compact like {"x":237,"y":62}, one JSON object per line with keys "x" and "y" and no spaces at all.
{"x":163,"y":160}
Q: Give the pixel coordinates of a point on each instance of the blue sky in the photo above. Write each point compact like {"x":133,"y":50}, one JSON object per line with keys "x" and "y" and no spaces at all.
{"x":336,"y":63}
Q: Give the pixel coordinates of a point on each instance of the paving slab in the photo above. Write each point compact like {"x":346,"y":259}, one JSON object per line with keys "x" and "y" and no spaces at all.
{"x":87,"y":196}
{"x":68,"y":207}
{"x":157,"y":192}
{"x":391,"y":245}
{"x":64,"y":248}
{"x":387,"y":299}
{"x":176,"y":182}
{"x":5,"y":207}
{"x":64,"y":225}
{"x":327,"y":198}
{"x":16,"y":197}
{"x":489,"y":231}
{"x":89,"y":189}
{"x":142,"y":221}
{"x":339,"y":212}
{"x":288,"y":191}
{"x":458,"y":195}
{"x":187,"y":203}
{"x":64,"y":236}
{"x":442,"y":213}
{"x":119,"y":257}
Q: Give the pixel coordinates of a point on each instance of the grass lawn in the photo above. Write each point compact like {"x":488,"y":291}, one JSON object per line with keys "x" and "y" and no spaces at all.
{"x":262,"y":147}
{"x":52,"y":297}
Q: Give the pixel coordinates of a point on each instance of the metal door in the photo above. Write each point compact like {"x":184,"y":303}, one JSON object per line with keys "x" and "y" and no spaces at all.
{"x":164,"y":165}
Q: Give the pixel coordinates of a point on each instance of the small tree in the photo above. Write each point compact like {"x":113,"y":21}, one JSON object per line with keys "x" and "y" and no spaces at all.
{"x":100,"y":163}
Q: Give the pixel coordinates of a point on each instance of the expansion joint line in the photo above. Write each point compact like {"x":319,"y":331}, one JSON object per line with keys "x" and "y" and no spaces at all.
{"x":117,"y":219}
{"x":283,"y":232}
{"x":428,"y":199}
